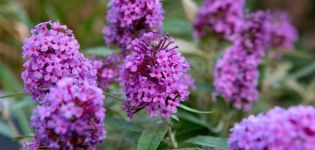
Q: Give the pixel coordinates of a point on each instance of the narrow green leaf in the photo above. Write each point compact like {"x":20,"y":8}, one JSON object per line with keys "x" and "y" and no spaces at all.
{"x":8,"y":80}
{"x":12,"y":95}
{"x":22,"y":137}
{"x":303,"y":72}
{"x":120,"y":123}
{"x":19,"y":11}
{"x":99,"y":51}
{"x":23,"y":120}
{"x":208,"y":141}
{"x":188,"y":148}
{"x":5,"y":130}
{"x":193,"y":110}
{"x":188,"y":47}
{"x":151,"y":138}
{"x":175,"y":118}
{"x":193,"y":119}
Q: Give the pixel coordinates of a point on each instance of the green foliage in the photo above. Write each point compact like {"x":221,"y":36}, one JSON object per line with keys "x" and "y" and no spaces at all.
{"x":5,"y":130}
{"x":209,"y":141}
{"x":152,"y":137}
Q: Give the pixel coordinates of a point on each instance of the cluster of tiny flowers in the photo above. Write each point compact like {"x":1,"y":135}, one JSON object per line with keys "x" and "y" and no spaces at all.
{"x":278,"y":129}
{"x":154,"y":76}
{"x":255,"y":33}
{"x":236,"y":74}
{"x":107,"y":69}
{"x":127,"y":19}
{"x":71,"y":117}
{"x":236,"y":77}
{"x":53,"y":53}
{"x":283,"y":33}
{"x":219,"y":17}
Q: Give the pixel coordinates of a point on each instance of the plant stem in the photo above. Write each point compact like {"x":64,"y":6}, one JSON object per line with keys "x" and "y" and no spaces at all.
{"x":13,"y":95}
{"x":113,"y":96}
{"x":171,"y":136}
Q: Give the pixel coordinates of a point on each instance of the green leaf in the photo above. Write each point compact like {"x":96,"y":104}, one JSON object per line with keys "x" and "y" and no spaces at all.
{"x":120,"y":123}
{"x":12,"y":95}
{"x":151,"y":138}
{"x":188,"y":148}
{"x":208,"y":141}
{"x":22,"y":137}
{"x":192,"y":118}
{"x":176,"y":26}
{"x":5,"y":130}
{"x":99,"y":51}
{"x":193,"y":110}
{"x":8,"y":80}
{"x":187,"y":47}
{"x":303,"y":72}
{"x":52,"y":12}
{"x":23,"y":120}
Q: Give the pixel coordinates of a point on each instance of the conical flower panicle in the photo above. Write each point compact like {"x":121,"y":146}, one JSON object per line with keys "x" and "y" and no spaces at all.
{"x":53,"y":53}
{"x":283,"y":34}
{"x":71,"y":117}
{"x":236,"y":74}
{"x":126,"y":20}
{"x":291,"y":129}
{"x":219,"y":17}
{"x":154,"y":76}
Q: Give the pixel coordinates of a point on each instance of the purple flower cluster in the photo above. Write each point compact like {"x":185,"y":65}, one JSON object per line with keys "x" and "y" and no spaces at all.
{"x":154,"y":76}
{"x":71,"y":117}
{"x":127,"y":19}
{"x":278,"y":129}
{"x":107,"y":69}
{"x":254,"y":34}
{"x":53,"y":53}
{"x":236,"y":77}
{"x":236,"y":74}
{"x":283,"y":33}
{"x":220,"y":17}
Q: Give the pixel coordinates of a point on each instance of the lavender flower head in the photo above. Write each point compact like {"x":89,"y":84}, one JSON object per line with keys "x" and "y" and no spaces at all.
{"x":236,"y":77}
{"x":254,"y":34}
{"x":127,"y":19}
{"x":53,"y":53}
{"x":236,"y":74}
{"x":71,"y":117}
{"x":284,"y":34}
{"x":154,"y":76}
{"x":107,"y":69}
{"x":219,"y":17}
{"x":278,"y":129}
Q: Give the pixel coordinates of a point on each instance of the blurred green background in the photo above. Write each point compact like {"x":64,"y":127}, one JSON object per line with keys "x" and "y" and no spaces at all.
{"x":285,"y":82}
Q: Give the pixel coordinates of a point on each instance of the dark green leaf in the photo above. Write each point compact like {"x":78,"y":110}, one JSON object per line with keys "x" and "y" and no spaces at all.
{"x":23,"y":120}
{"x":12,"y":95}
{"x":193,"y":110}
{"x":176,"y":26}
{"x":8,"y":80}
{"x":5,"y":130}
{"x":188,"y":148}
{"x":99,"y":51}
{"x":120,"y":123}
{"x":303,"y":72}
{"x":209,"y":141}
{"x":192,"y":118}
{"x":151,"y":138}
{"x":22,"y":137}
